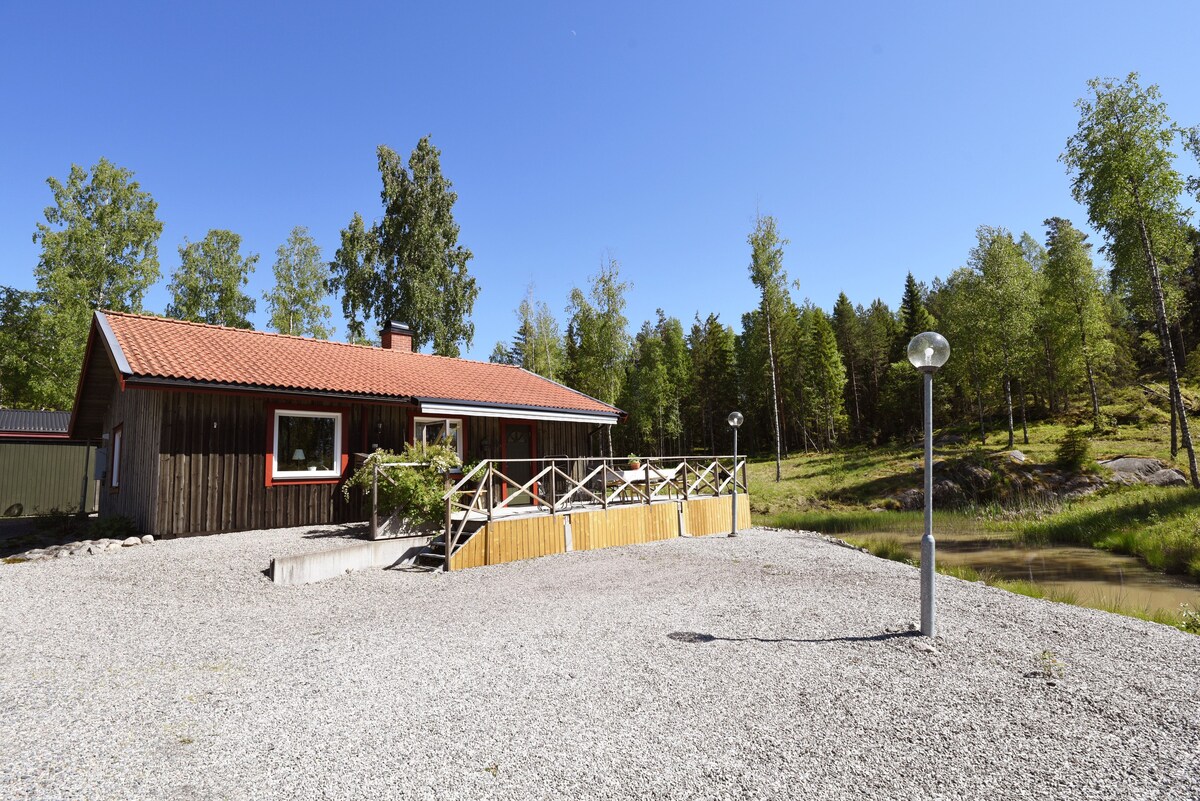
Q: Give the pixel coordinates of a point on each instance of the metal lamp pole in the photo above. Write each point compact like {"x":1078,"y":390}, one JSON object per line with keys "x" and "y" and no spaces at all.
{"x":927,"y":352}
{"x":735,"y":422}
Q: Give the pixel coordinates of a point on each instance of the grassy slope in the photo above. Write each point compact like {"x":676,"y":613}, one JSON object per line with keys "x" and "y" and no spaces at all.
{"x":836,"y":492}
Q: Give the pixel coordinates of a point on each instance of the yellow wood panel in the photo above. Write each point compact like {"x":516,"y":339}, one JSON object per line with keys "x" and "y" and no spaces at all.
{"x":530,"y":537}
{"x":705,"y":516}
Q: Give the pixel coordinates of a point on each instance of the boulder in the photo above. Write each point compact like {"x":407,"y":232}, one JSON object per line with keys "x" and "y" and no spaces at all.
{"x":1134,"y":465}
{"x":1167,"y":478}
{"x":1139,"y":470}
{"x":131,"y":541}
{"x":147,"y":539}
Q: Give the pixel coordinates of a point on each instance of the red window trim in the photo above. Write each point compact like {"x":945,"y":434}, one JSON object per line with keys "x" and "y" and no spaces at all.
{"x":114,"y":455}
{"x":344,"y":411}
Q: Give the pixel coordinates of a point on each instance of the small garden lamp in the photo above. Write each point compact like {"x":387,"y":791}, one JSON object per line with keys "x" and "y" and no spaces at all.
{"x":928,"y":351}
{"x":735,"y":422}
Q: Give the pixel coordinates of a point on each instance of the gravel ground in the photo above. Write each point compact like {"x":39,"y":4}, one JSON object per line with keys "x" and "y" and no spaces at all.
{"x":772,"y":665}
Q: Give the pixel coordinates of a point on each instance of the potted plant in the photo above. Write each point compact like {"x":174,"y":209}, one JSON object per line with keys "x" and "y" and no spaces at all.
{"x":634,"y":462}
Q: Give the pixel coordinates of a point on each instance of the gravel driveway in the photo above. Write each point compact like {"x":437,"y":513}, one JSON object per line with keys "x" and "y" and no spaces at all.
{"x":774,"y":665}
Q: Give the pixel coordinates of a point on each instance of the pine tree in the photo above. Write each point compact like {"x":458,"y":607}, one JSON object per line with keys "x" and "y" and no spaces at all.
{"x":848,"y":331}
{"x":714,"y":388}
{"x":913,"y":317}
{"x":826,"y":375}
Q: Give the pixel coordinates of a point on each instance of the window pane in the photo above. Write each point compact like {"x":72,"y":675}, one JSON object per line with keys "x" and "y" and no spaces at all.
{"x":430,"y":432}
{"x":305,"y":444}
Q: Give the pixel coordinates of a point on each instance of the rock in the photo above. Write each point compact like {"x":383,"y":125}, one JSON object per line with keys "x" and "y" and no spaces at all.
{"x":1016,"y":456}
{"x":1134,"y":465}
{"x":1137,"y":470}
{"x":1167,"y":478}
{"x":131,"y":541}
{"x":147,"y":539}
{"x":949,"y":439}
{"x":64,"y":554}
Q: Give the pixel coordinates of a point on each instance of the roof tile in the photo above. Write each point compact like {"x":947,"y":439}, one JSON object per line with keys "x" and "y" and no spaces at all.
{"x":159,"y":347}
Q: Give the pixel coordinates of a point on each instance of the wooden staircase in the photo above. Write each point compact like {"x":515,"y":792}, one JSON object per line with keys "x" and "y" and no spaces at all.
{"x":434,"y":555}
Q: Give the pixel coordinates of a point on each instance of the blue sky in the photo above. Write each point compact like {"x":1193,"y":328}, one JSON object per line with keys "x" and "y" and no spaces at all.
{"x":880,"y":135}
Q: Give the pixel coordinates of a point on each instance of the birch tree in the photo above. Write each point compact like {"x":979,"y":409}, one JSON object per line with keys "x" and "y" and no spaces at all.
{"x":207,"y":287}
{"x":297,"y":302}
{"x":99,"y":250}
{"x":768,"y":275}
{"x":409,"y":266}
{"x":1075,"y":302}
{"x":1122,"y":170}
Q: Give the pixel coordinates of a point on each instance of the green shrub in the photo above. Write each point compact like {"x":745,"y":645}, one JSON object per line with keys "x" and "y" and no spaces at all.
{"x":54,"y":522}
{"x":416,"y":492}
{"x":117,"y":527}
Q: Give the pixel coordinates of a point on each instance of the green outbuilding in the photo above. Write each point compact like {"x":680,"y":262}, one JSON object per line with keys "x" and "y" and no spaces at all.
{"x":41,"y":469}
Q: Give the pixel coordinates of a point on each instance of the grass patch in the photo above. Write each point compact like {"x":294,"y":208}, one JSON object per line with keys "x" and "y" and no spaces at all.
{"x":885,"y":548}
{"x":865,"y":521}
{"x":1161,"y":525}
{"x":14,"y":560}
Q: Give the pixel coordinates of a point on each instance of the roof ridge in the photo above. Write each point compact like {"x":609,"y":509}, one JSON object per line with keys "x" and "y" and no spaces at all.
{"x":176,"y":320}
{"x":194,"y":324}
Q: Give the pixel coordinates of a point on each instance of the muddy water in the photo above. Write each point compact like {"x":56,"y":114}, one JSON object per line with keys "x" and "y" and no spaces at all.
{"x":1095,"y":578}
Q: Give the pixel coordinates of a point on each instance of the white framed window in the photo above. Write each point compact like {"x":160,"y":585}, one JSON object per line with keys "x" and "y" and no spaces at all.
{"x":308,"y":444}
{"x":431,"y":430}
{"x":114,"y":475}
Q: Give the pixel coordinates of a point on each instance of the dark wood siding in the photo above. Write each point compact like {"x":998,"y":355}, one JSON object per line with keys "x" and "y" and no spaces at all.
{"x":196,"y":462}
{"x":139,"y":414}
{"x":213,"y":464}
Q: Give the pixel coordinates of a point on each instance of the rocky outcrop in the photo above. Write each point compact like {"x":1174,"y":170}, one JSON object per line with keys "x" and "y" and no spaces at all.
{"x":1009,"y":479}
{"x":1140,"y":470}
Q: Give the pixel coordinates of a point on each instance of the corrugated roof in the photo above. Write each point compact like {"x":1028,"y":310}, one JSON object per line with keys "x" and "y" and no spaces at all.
{"x":32,"y":422}
{"x":162,"y":348}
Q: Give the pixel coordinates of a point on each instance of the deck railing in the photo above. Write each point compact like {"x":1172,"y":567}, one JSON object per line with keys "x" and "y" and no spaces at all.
{"x":557,"y":484}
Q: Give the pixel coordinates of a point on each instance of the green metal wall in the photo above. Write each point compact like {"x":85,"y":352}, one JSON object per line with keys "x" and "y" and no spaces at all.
{"x":36,"y":477}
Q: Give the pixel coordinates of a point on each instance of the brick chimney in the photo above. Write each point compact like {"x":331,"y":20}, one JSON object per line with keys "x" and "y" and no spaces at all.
{"x":397,"y":336}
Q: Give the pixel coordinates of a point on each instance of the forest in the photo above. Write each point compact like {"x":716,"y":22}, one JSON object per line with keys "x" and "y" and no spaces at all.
{"x":1042,"y":324}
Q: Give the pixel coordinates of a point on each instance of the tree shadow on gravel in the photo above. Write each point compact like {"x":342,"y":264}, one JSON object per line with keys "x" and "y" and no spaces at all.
{"x":695,"y":637}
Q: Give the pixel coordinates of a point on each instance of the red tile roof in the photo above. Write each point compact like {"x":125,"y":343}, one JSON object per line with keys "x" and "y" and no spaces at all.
{"x":161,"y":348}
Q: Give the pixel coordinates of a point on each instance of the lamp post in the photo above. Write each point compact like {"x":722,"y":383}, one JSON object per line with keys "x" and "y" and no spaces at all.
{"x":735,"y":422}
{"x":928,"y":351}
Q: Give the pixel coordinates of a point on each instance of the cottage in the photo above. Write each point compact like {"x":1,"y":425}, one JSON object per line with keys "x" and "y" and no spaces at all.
{"x":209,"y":429}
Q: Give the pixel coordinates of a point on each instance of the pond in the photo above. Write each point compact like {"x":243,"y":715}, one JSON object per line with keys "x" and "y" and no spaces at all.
{"x":1092,"y":577}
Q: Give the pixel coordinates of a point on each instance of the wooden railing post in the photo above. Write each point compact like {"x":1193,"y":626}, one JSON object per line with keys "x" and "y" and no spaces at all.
{"x":449,"y":484}
{"x":375,"y":500}
{"x":491,"y":487}
{"x":553,"y":486}
{"x":647,"y":481}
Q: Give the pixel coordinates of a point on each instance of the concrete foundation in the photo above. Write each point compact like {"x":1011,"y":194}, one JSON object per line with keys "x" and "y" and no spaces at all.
{"x":307,"y":568}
